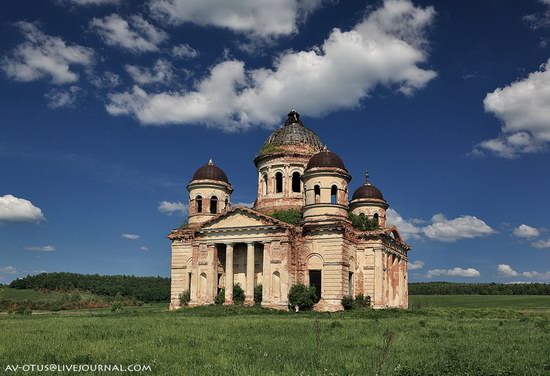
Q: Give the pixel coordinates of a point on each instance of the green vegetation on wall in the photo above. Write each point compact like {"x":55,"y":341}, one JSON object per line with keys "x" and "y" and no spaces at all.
{"x":362,"y":222}
{"x":269,"y":149}
{"x":291,"y":216}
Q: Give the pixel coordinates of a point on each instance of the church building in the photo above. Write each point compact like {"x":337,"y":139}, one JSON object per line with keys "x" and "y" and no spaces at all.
{"x":223,"y":245}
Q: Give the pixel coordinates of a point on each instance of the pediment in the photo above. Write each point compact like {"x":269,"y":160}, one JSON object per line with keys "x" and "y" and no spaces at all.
{"x":240,"y":217}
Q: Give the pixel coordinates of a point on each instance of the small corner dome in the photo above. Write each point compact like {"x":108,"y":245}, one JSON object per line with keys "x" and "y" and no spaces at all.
{"x":367,"y":191}
{"x":210,"y":172}
{"x":324,"y":159}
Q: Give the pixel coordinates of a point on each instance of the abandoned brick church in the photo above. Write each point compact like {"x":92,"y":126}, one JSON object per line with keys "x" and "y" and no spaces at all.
{"x":223,"y":244}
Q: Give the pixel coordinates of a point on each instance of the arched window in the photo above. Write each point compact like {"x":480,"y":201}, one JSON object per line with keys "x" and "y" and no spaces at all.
{"x":317,"y":192}
{"x":226,"y":204}
{"x":278,"y":182}
{"x":213,"y":205}
{"x":334,"y":194}
{"x":265,"y":184}
{"x":198,"y":202}
{"x":375,"y":218}
{"x":296,"y":182}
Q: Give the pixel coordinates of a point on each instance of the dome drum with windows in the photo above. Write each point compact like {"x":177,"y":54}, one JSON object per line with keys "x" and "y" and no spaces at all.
{"x":209,"y":193}
{"x":368,"y":200}
{"x":326,"y":182}
{"x":281,"y":163}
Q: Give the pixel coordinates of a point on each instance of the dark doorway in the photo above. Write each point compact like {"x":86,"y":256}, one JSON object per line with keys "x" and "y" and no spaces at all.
{"x":315,"y":281}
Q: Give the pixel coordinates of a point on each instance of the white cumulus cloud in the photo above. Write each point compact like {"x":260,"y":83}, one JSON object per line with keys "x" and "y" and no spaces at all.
{"x":385,"y":49}
{"x":45,"y":248}
{"x":260,"y":18}
{"x":524,"y":109}
{"x":538,"y":275}
{"x":8,"y":270}
{"x":45,"y":56}
{"x":539,"y":20}
{"x":451,"y":230}
{"x":105,"y":80}
{"x":407,"y":229}
{"x":245,"y":204}
{"x":416,"y":265}
{"x":130,"y":236}
{"x":454,"y":272}
{"x":137,"y":35}
{"x":184,"y":51}
{"x":506,"y":270}
{"x":160,"y":72}
{"x":541,"y":244}
{"x":63,"y":98}
{"x":143,"y":248}
{"x":14,"y":209}
{"x":526,"y":231}
{"x":170,"y":208}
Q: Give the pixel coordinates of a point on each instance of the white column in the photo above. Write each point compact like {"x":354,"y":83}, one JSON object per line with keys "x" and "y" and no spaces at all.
{"x":212,"y":286}
{"x":249,"y":294}
{"x":229,"y":274}
{"x":266,"y":272}
{"x":378,"y":279}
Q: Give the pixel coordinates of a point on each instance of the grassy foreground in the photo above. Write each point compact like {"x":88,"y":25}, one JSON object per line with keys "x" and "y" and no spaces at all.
{"x":215,"y":340}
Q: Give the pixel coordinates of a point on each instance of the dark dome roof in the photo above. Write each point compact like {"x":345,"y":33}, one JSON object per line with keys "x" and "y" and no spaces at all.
{"x":367,"y":190}
{"x":326,"y":158}
{"x":211,"y":172}
{"x":294,"y":133}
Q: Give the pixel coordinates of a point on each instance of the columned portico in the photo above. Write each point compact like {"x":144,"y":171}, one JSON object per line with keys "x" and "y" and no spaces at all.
{"x":240,"y":268}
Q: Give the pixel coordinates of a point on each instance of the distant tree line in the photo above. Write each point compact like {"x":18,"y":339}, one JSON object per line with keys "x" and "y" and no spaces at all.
{"x":67,"y":301}
{"x":145,"y":289}
{"x":451,"y":288}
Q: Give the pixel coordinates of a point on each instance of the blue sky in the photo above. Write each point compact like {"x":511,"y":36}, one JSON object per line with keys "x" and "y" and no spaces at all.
{"x":107,"y":108}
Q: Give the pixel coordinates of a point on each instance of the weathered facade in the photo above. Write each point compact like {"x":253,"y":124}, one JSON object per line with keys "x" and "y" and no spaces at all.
{"x":224,"y":245}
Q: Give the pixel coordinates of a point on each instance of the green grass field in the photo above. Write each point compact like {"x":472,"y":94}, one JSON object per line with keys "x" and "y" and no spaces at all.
{"x":496,"y":336}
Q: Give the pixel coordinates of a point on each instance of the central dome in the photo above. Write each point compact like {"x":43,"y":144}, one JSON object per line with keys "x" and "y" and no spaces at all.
{"x":293,"y":133}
